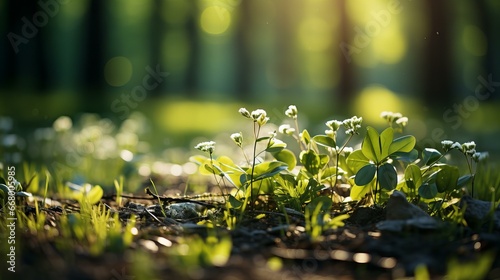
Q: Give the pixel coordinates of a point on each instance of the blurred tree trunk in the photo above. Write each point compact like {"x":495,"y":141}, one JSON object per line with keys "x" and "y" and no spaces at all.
{"x":192,"y":69}
{"x":285,"y":74}
{"x":25,"y":49}
{"x":486,"y":23}
{"x":157,"y":29}
{"x":436,"y":76}
{"x":95,"y":44}
{"x":346,"y":85}
{"x":244,"y":62}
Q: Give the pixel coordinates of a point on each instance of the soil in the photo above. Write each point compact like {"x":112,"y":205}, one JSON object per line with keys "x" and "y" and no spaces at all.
{"x":358,"y":250}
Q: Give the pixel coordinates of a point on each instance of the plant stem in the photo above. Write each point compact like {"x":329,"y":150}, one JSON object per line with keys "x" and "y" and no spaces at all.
{"x":376,"y":187}
{"x":216,"y":180}
{"x":337,"y":161}
{"x":469,"y":164}
{"x":298,"y":135}
{"x":256,"y":136}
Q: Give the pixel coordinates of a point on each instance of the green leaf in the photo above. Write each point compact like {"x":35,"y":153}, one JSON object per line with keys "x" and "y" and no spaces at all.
{"x":462,"y":181}
{"x":311,"y":161}
{"x":323,"y":160}
{"x":356,"y":160}
{"x":268,"y":169}
{"x":23,"y":194}
{"x":402,"y":144}
{"x":428,"y":191}
{"x":210,"y":169}
{"x":324,"y":201}
{"x":262,"y":139}
{"x":371,"y":146}
{"x":429,"y":156}
{"x":405,"y":156}
{"x":235,"y":203}
{"x":305,"y":137}
{"x":358,"y":192}
{"x":287,"y":157}
{"x":198,"y":159}
{"x":95,"y":194}
{"x":413,"y":175}
{"x":365,"y":175}
{"x":387,"y":176}
{"x":332,"y":171}
{"x":276,"y":146}
{"x":447,"y":178}
{"x":325,"y":141}
{"x":385,"y":142}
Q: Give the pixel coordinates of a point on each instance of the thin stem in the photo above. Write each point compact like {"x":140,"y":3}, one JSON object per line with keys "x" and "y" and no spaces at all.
{"x":337,"y":161}
{"x":469,"y":164}
{"x":256,"y":136}
{"x":298,"y":135}
{"x":434,"y":163}
{"x":216,"y":180}
{"x":245,"y":155}
{"x":376,"y":187}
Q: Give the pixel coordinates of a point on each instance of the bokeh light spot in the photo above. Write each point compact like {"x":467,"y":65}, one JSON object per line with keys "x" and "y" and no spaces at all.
{"x":315,"y":34}
{"x":118,"y":71}
{"x":215,"y":20}
{"x":390,"y":46}
{"x":373,"y":100}
{"x":474,"y":40}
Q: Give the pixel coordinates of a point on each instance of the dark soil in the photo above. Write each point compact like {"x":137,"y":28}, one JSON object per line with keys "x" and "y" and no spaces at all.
{"x":357,"y":250}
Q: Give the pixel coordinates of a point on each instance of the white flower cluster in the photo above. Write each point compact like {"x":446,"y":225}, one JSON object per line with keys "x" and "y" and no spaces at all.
{"x":352,"y":125}
{"x":208,"y":146}
{"x":259,"y":116}
{"x":468,"y":148}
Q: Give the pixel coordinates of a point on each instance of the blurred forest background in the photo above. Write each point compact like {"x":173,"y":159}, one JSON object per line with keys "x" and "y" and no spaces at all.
{"x":188,"y":65}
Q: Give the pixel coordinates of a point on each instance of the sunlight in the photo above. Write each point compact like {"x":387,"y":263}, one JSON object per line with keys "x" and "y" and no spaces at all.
{"x":384,"y":99}
{"x":215,"y":20}
{"x":390,"y":46}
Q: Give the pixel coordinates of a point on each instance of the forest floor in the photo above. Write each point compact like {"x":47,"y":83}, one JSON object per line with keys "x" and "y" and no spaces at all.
{"x":264,"y":246}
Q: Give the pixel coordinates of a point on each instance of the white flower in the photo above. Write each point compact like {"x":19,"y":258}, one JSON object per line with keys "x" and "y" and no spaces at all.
{"x":402,"y":121}
{"x":447,"y":144}
{"x":286,"y":129}
{"x":457,"y":146}
{"x":237,"y":138}
{"x":353,"y":125}
{"x":291,"y":112}
{"x":206,"y":146}
{"x":468,"y":147}
{"x":480,"y":156}
{"x":334,"y":124}
{"x":244,"y":112}
{"x":347,"y":151}
{"x":259,"y":116}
